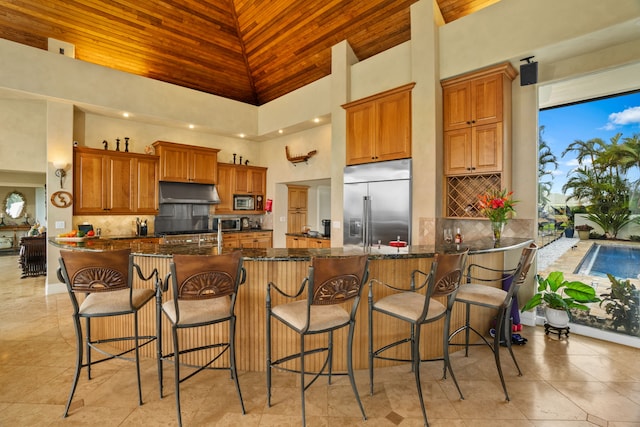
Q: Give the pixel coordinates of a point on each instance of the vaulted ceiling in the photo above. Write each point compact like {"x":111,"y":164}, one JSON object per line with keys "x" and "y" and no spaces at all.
{"x":252,"y":51}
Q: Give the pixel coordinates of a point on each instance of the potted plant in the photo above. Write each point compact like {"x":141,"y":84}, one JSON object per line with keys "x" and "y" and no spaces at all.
{"x":559,"y":296}
{"x":568,"y":228}
{"x":583,"y":231}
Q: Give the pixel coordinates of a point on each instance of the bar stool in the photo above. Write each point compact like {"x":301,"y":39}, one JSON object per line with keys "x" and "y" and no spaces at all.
{"x":481,"y":295}
{"x":418,"y":309}
{"x":330,"y":282}
{"x":204,"y":293}
{"x":105,"y":278}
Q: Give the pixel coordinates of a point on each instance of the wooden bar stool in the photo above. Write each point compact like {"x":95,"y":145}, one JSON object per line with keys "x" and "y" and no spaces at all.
{"x":204,"y":293}
{"x":482,"y":295}
{"x":330,"y":283}
{"x":417,"y":309}
{"x":105,"y":279}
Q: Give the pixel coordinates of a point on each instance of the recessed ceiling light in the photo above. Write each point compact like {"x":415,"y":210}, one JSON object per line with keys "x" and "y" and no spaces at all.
{"x":125,"y":114}
{"x":191,"y":126}
{"x":316,"y":120}
{"x":280,"y":131}
{"x":242,"y":135}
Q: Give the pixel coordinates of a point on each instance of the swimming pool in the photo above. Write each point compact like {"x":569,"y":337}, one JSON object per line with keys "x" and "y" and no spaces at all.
{"x":622,"y":262}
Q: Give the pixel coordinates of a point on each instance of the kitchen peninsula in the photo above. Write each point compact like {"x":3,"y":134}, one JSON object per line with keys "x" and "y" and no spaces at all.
{"x":288,"y":268}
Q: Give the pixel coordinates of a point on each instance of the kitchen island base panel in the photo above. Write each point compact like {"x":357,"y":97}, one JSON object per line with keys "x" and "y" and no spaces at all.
{"x":251,"y":315}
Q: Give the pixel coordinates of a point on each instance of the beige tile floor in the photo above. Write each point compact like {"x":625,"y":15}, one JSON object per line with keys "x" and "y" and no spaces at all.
{"x":573,"y":382}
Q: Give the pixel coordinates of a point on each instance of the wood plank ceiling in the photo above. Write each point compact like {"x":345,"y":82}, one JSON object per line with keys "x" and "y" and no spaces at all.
{"x":247,"y":50}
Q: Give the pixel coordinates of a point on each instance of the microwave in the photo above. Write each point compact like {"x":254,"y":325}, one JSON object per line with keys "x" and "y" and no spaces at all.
{"x":227,"y":224}
{"x":243,"y":203}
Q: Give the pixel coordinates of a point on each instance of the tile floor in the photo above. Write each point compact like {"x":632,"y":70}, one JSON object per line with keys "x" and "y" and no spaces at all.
{"x":573,"y":382}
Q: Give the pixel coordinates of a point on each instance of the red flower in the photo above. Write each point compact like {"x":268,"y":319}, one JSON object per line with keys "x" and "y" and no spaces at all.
{"x":496,"y":205}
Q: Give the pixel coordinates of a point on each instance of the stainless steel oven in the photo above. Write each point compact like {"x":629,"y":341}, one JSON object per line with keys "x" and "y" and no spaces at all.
{"x":243,"y":202}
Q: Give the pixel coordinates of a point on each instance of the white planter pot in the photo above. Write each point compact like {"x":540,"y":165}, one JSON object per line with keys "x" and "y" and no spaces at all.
{"x":557,"y":318}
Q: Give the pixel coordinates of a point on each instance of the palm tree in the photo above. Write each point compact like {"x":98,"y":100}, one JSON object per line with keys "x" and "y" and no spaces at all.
{"x":546,"y":159}
{"x":600,"y":179}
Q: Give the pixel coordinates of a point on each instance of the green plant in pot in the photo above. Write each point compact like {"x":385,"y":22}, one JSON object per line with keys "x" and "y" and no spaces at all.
{"x":621,"y":302}
{"x":583,"y":231}
{"x":559,"y":296}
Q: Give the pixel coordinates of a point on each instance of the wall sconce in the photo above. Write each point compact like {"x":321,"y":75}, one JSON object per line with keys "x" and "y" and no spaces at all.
{"x":60,"y":170}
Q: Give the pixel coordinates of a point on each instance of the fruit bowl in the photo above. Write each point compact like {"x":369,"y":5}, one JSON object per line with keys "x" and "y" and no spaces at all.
{"x":398,"y":243}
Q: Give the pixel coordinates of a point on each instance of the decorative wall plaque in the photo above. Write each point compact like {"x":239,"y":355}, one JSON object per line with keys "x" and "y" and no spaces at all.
{"x":62,"y":199}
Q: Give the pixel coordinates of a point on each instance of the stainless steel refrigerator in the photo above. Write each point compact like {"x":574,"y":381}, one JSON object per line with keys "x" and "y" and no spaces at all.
{"x":377,"y":203}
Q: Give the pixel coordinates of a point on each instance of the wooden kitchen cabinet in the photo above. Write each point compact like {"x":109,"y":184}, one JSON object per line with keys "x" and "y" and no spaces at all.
{"x":226,"y":173}
{"x":473,"y":102}
{"x":297,"y":207}
{"x":187,"y":163}
{"x":252,"y":239}
{"x":255,"y":240}
{"x":477,"y":136}
{"x":379,"y":127}
{"x":250,"y":180}
{"x":475,"y":150}
{"x":296,"y":242}
{"x":239,"y":179}
{"x":114,"y":182}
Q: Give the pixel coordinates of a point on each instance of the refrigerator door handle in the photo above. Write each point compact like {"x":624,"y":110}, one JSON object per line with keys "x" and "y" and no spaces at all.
{"x":366,"y":221}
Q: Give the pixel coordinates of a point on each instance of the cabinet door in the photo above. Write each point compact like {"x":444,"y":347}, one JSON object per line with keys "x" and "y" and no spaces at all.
{"x":394,"y":127}
{"x":295,"y":242}
{"x":318,"y":243}
{"x":487,"y":148}
{"x":298,"y":197}
{"x":203,"y":166}
{"x":230,"y":240}
{"x":89,"y":171}
{"x":486,"y":96}
{"x":147,"y":186}
{"x":255,"y":240}
{"x":361,"y":133}
{"x":225,"y":186}
{"x":120,"y":184}
{"x":257,"y":181}
{"x":241,"y":185}
{"x":295,"y":221}
{"x":457,"y":152}
{"x":174,"y":163}
{"x":457,"y":106}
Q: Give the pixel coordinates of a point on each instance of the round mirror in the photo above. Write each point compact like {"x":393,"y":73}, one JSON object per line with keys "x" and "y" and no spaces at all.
{"x":14,"y":204}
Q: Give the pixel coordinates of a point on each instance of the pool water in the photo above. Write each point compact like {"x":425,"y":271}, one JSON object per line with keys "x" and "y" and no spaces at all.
{"x":622,"y":262}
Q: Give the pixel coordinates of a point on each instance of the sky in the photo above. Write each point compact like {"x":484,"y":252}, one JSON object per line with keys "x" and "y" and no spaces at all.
{"x":602,"y":118}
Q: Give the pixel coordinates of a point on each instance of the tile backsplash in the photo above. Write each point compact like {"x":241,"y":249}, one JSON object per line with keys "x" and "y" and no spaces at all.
{"x":115,"y":225}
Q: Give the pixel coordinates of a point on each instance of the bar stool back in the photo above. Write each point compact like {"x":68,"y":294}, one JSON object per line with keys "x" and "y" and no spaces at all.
{"x":479,"y":294}
{"x":417,"y":309}
{"x":105,"y":279}
{"x":204,"y":293}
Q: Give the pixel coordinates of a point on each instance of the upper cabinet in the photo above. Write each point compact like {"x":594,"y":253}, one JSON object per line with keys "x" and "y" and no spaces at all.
{"x":250,"y":180}
{"x":240,"y":179}
{"x":475,"y":102}
{"x":379,"y":127}
{"x":114,"y":182}
{"x":187,"y":163}
{"x":477,"y":136}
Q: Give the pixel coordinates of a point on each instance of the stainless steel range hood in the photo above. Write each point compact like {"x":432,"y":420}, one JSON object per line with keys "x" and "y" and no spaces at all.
{"x":183,"y":192}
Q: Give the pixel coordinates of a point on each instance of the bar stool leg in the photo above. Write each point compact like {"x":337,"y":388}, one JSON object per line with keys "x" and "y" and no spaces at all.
{"x":176,"y":367}
{"x":232,"y":359}
{"x":76,"y":375}
{"x":302,"y":388}
{"x":415,"y":365}
{"x":350,"y":368}
{"x":137,"y":351}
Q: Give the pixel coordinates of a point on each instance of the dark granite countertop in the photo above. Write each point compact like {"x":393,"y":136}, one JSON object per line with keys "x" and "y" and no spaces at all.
{"x":321,"y":237}
{"x":282,"y":254}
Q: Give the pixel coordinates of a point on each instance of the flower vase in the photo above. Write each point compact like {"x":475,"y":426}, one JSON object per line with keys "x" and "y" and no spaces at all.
{"x":497,"y":228}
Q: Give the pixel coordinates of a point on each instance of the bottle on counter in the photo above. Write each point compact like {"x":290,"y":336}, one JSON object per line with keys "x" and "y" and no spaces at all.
{"x":458,"y":238}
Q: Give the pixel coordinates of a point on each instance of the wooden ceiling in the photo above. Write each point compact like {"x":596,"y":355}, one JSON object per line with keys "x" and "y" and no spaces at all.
{"x":252,"y":51}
